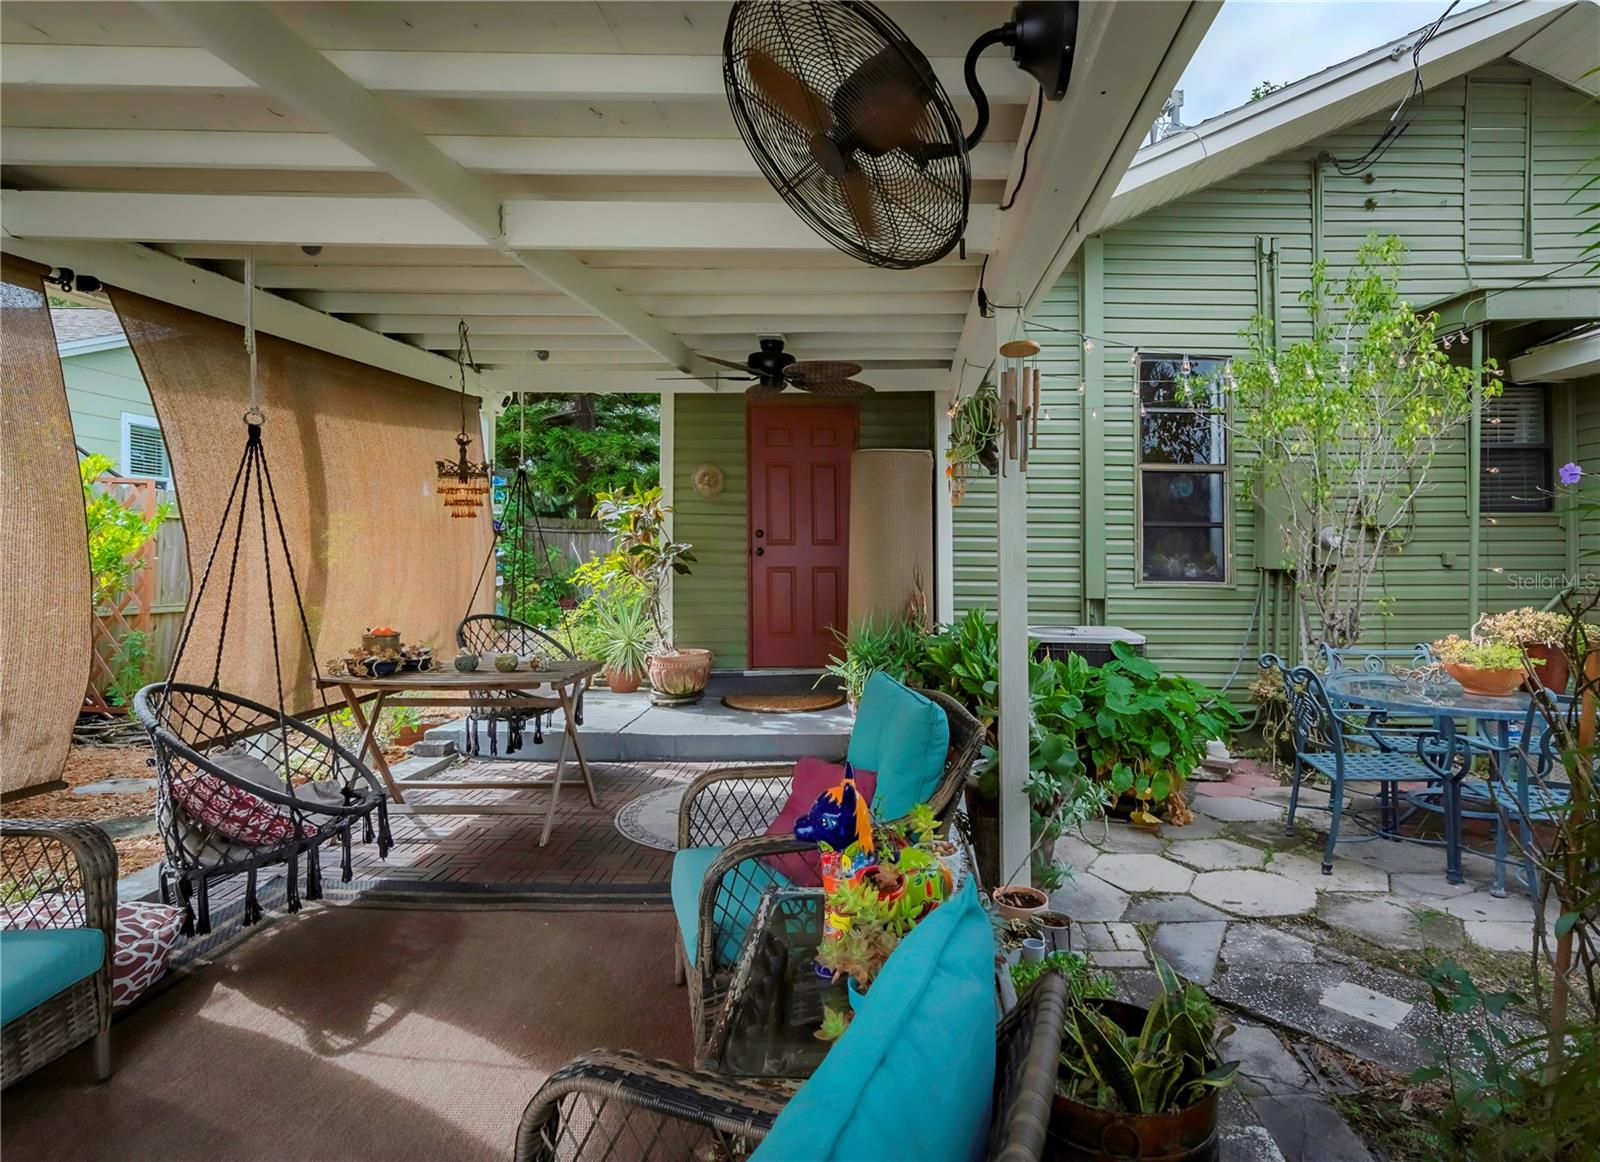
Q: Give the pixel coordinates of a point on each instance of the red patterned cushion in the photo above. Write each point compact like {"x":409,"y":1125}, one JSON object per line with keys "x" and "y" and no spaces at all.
{"x":811,"y":777}
{"x":232,"y":811}
{"x":146,"y":935}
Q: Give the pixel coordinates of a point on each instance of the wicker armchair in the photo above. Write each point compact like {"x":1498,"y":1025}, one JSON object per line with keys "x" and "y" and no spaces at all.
{"x":621,"y":1105}
{"x":73,"y":866}
{"x":731,"y":809}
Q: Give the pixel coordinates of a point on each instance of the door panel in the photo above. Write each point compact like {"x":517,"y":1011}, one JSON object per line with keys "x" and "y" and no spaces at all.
{"x":799,"y":530}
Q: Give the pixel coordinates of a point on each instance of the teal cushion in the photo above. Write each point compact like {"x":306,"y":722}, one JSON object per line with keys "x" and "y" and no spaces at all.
{"x":905,"y":737}
{"x":916,"y":1066}
{"x":745,"y":886}
{"x":37,"y":963}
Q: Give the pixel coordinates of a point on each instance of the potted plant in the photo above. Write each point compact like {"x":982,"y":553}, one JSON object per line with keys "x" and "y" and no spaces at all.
{"x":873,"y":927}
{"x":1481,"y":665}
{"x":1538,"y":633}
{"x":1140,"y":1083}
{"x":507,"y":663}
{"x":1017,"y":902}
{"x":637,"y":522}
{"x":405,"y":726}
{"x":974,"y":439}
{"x":894,"y":647}
{"x":466,"y":661}
{"x":626,"y":638}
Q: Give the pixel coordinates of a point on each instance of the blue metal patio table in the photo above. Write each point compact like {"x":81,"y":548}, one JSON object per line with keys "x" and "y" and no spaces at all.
{"x":1442,"y":699}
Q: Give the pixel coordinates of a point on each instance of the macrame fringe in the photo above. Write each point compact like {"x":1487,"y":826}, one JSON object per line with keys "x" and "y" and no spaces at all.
{"x":185,"y":892}
{"x":366,"y":827}
{"x":203,"y":923}
{"x":292,"y":886}
{"x":314,"y":873}
{"x":345,"y":871}
{"x":252,"y":903}
{"x":385,"y":840}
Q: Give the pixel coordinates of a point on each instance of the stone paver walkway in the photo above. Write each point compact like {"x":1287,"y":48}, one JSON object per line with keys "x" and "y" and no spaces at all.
{"x":1237,"y":904}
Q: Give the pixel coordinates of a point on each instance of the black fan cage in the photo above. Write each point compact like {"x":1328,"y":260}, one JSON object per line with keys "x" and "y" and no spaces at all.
{"x":920,"y":194}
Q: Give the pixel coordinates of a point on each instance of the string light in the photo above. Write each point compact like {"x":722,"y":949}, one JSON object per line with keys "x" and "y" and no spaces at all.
{"x":1088,"y":343}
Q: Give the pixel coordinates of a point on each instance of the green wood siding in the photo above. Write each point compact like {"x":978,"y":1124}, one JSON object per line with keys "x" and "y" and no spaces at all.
{"x":1187,"y":277}
{"x":1499,"y":173}
{"x":1587,"y":453}
{"x":101,"y":386}
{"x":711,"y":604}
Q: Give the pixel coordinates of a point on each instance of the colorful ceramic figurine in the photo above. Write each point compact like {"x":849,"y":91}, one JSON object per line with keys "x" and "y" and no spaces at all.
{"x":839,"y":818}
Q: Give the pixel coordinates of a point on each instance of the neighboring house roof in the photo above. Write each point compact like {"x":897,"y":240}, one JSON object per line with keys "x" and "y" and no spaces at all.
{"x":1557,"y":39}
{"x":80,"y":330}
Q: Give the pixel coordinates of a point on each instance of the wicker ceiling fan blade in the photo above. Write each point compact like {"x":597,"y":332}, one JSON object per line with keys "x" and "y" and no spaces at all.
{"x":837,"y":387}
{"x":858,"y":196}
{"x":726,"y":363}
{"x":764,"y":391}
{"x":798,"y":101}
{"x":823,"y":370}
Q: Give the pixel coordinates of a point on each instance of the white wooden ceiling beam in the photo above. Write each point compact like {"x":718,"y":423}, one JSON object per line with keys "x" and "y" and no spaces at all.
{"x":1128,"y":58}
{"x":487,"y":280}
{"x":362,"y":303}
{"x":532,"y":224}
{"x":499,"y":76}
{"x":149,"y":272}
{"x":250,"y":38}
{"x":561,"y":156}
{"x":803,"y":344}
{"x":742,"y":326}
{"x":575,"y":380}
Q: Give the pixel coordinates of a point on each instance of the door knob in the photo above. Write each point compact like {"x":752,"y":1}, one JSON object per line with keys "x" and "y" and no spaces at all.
{"x":761,"y":532}
{"x":761,"y":552}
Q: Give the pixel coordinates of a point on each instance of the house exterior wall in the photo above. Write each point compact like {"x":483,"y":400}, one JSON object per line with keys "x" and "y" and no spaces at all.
{"x":101,"y":386}
{"x":1186,"y":278}
{"x":711,"y":605}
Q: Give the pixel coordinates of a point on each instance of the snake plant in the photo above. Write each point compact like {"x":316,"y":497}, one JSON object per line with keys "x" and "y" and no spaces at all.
{"x":1168,"y":1066}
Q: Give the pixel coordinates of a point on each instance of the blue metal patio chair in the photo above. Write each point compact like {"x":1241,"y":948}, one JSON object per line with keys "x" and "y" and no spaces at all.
{"x":1320,"y":745}
{"x":1376,"y":728}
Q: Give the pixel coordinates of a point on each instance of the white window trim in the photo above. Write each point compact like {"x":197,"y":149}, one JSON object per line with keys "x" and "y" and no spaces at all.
{"x":124,"y":460}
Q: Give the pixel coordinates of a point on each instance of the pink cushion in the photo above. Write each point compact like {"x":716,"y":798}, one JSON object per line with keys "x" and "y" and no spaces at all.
{"x":811,"y":777}
{"x":232,"y":811}
{"x":146,"y":935}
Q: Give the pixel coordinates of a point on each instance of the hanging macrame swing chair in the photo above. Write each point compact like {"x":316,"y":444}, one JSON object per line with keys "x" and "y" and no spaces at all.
{"x":520,"y":551}
{"x":239,"y":785}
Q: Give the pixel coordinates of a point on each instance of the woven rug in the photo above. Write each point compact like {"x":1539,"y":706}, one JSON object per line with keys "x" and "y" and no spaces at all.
{"x":351,"y":1031}
{"x":805,"y":703}
{"x":651,"y":820}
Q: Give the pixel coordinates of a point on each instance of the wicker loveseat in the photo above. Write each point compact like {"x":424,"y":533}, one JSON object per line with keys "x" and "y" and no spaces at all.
{"x":730,"y":810}
{"x":618,"y":1105}
{"x":57,"y":971}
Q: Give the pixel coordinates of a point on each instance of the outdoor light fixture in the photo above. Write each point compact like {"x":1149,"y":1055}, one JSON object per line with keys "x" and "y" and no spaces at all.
{"x":463,"y":484}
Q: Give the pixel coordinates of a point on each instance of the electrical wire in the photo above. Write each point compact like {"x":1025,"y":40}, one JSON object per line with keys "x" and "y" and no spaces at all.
{"x":1022,"y":174}
{"x":1404,"y":113}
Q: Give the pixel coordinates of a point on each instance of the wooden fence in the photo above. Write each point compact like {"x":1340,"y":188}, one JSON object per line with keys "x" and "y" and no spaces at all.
{"x":578,"y":540}
{"x":155,"y":600}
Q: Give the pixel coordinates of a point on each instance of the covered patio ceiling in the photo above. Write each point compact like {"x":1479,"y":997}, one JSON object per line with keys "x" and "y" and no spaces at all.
{"x":566,"y":176}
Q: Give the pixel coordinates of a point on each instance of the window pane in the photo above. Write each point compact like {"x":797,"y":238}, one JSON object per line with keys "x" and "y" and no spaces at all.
{"x":1183,"y":554}
{"x":1182,"y":438}
{"x":1516,"y":417}
{"x":1515,"y":480}
{"x":1163,"y":379}
{"x":1183,"y":497}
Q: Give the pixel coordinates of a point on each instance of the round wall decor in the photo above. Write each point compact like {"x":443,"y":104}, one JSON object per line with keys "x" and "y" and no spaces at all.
{"x":708,"y":480}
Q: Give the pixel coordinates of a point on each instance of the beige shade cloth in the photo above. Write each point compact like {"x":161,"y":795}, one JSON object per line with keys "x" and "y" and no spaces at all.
{"x":891,"y":531}
{"x":45,"y":611}
{"x":351,"y":451}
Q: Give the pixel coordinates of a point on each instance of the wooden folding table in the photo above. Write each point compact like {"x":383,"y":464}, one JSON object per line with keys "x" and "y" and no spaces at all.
{"x":485,"y":689}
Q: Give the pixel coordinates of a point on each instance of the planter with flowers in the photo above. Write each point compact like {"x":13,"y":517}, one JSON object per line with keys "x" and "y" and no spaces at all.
{"x":1537,"y":632}
{"x":1481,"y":665}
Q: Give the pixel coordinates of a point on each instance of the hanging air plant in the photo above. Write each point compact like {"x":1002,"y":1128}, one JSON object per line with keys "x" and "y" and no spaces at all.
{"x":974,"y":439}
{"x":463,"y":483}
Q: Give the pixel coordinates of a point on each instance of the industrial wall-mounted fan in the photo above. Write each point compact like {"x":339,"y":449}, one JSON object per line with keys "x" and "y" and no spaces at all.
{"x":772,"y":369}
{"x":849,"y":123}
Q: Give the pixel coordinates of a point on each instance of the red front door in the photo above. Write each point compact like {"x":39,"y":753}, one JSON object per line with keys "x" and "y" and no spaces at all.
{"x":799,"y":530}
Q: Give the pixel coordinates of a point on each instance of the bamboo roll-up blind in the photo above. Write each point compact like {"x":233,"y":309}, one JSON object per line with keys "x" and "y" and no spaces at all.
{"x":891,"y":531}
{"x":352,"y":453}
{"x":45,"y":603}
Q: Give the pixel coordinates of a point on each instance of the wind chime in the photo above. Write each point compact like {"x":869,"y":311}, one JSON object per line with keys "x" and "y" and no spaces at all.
{"x":463,"y":483}
{"x":1021,"y":402}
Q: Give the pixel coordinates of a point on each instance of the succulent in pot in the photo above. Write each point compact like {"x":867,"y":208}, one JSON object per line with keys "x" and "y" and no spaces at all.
{"x":507,"y":663}
{"x":1540,"y":634}
{"x":626,"y":638}
{"x":466,"y":662}
{"x":1481,"y":665}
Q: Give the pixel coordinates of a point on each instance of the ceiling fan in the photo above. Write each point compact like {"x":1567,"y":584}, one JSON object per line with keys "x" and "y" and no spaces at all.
{"x":848,"y":121}
{"x":772,"y":369}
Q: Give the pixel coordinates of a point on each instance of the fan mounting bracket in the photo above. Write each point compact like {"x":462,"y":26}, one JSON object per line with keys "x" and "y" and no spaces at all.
{"x":1041,"y":36}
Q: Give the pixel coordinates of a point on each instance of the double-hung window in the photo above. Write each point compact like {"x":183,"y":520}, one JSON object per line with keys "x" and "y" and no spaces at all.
{"x":1514,"y":468}
{"x":1183,"y":470}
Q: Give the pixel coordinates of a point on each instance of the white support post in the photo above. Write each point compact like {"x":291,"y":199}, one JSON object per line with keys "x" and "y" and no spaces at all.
{"x":668,"y":462}
{"x":1015,"y":708}
{"x":944,"y":519}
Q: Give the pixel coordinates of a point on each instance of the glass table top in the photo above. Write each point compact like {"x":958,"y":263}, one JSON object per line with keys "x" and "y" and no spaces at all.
{"x":1434,"y":694}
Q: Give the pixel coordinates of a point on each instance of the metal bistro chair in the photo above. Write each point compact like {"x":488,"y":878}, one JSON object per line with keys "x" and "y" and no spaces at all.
{"x":1320,"y":745}
{"x":1370,"y":727}
{"x":492,"y":633}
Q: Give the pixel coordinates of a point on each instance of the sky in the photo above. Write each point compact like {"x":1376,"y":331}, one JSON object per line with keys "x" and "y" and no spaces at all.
{"x":1252,"y":41}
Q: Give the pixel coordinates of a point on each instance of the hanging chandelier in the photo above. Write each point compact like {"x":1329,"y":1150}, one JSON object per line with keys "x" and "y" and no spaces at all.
{"x":463,"y":484}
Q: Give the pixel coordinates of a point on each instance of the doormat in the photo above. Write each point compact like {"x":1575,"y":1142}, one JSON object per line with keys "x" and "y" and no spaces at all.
{"x":808,"y":703}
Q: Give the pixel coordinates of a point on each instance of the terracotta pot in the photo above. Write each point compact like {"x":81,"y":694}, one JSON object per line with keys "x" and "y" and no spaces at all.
{"x":1555,"y":673}
{"x":1490,"y":683}
{"x":622,"y":681}
{"x":1016,"y":902}
{"x":407,"y":735}
{"x":1080,"y":1132}
{"x":679,"y":678}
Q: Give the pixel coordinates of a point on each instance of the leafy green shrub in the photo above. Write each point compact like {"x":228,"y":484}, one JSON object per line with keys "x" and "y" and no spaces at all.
{"x":1082,"y":981}
{"x":897,"y":647}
